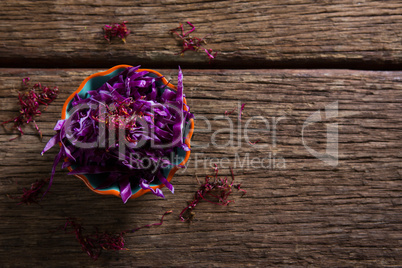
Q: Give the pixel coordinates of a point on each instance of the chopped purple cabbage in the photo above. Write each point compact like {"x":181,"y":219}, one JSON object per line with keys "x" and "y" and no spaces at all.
{"x":125,"y":130}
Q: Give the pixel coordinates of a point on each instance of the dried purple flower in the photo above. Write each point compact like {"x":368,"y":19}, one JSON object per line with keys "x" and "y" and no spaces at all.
{"x":210,"y":54}
{"x":234,"y":109}
{"x":116,"y":30}
{"x":253,"y":143}
{"x":240,"y":189}
{"x":33,"y":194}
{"x":241,"y":111}
{"x":214,"y":190}
{"x":148,"y":225}
{"x":30,"y":102}
{"x":192,"y":43}
{"x":93,"y":244}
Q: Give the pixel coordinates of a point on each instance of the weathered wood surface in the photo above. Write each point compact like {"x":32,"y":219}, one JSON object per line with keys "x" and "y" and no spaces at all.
{"x":304,"y":213}
{"x":291,"y":34}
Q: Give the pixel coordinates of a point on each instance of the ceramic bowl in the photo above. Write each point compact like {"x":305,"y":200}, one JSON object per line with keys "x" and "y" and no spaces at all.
{"x":93,"y":82}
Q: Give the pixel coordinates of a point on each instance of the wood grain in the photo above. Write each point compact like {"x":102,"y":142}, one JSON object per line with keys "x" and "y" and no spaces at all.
{"x":303,"y":213}
{"x":247,"y":34}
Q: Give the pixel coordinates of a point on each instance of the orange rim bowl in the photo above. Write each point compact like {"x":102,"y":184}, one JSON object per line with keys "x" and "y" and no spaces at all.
{"x":93,"y":82}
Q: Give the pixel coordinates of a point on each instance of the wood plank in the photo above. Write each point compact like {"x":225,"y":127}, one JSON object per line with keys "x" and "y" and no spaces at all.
{"x":247,"y":34}
{"x":306,"y":213}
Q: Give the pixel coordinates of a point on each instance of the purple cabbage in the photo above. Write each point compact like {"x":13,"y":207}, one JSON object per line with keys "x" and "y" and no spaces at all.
{"x":124,"y":132}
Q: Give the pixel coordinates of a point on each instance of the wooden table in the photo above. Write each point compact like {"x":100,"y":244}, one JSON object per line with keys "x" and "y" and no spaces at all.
{"x":286,"y":60}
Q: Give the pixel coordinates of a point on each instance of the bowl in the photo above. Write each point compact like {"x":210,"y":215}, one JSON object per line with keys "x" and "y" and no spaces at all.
{"x":92,"y":181}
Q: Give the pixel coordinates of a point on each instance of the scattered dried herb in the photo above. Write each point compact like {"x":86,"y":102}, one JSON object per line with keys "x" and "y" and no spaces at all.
{"x":229,"y":113}
{"x":241,"y":111}
{"x":33,"y":194}
{"x":93,"y":244}
{"x":30,"y":105}
{"x":253,"y":143}
{"x":214,"y":190}
{"x":234,"y":109}
{"x":240,"y":189}
{"x":148,"y":225}
{"x":116,"y":30}
{"x":192,"y":43}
